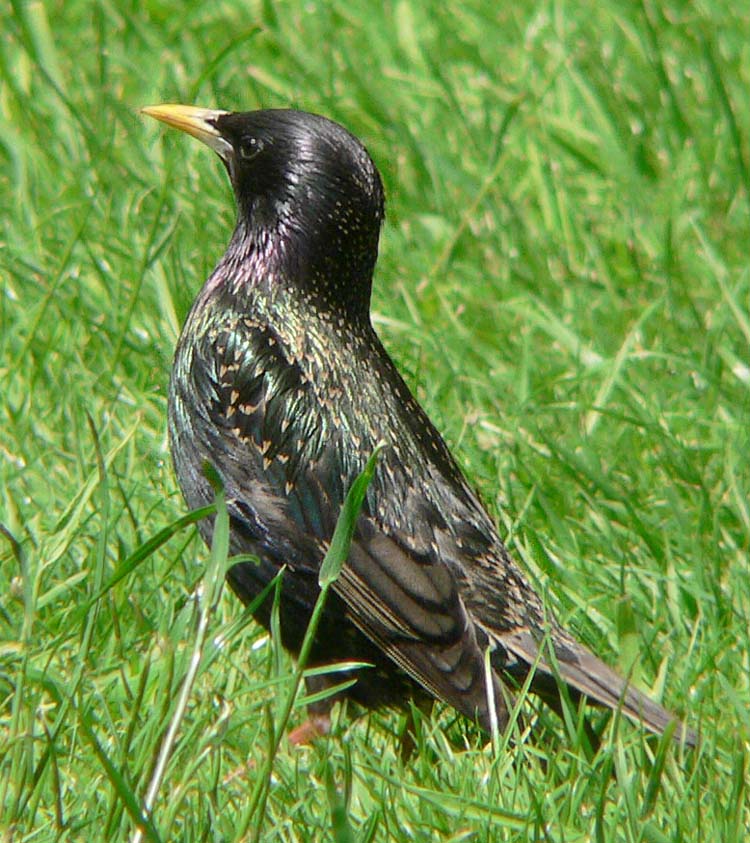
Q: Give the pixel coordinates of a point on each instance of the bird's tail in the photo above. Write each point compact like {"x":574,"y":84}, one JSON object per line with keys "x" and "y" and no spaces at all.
{"x":583,"y":671}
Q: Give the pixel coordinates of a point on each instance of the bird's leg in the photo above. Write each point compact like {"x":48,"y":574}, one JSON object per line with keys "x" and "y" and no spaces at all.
{"x":314,"y":727}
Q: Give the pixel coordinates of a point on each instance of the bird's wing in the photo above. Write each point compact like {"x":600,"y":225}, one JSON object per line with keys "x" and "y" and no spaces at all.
{"x":411,"y":608}
{"x":286,"y":479}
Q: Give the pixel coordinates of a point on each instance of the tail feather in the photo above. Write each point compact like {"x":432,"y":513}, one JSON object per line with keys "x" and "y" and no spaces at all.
{"x":582,"y":670}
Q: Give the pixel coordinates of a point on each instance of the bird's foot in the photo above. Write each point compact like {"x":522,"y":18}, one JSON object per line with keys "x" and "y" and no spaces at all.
{"x":314,"y":727}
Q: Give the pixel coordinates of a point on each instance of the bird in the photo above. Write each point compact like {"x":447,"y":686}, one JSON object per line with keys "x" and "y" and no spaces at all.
{"x":281,"y":384}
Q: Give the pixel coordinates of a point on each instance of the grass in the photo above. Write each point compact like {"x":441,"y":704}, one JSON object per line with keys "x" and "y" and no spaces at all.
{"x":564,"y":282}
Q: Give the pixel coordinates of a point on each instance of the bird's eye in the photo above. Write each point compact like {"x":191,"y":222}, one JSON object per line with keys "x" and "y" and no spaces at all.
{"x":250,"y":148}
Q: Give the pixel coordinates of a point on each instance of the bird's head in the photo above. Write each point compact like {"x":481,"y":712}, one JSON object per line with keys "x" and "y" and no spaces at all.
{"x":309,"y":197}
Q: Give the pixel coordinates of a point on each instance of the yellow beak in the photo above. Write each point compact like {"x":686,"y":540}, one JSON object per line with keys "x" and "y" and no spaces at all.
{"x":198,"y":122}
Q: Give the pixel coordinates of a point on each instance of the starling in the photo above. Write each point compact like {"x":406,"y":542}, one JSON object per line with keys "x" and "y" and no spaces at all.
{"x":282,"y":385}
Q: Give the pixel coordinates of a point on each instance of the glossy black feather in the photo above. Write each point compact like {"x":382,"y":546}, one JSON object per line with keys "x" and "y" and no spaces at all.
{"x":280,"y":382}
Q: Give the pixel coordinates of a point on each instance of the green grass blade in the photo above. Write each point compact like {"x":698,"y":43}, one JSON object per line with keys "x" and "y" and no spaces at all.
{"x":338,"y":550}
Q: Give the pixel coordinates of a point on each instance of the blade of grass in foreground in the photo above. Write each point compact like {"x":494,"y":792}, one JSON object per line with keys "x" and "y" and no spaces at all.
{"x":338,"y":551}
{"x":207,"y":594}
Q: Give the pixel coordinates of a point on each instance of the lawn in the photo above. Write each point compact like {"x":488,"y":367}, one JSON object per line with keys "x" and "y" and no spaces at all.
{"x":564,"y":283}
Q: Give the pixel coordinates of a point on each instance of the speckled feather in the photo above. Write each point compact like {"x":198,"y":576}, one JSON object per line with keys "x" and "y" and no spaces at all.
{"x":281,"y":383}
